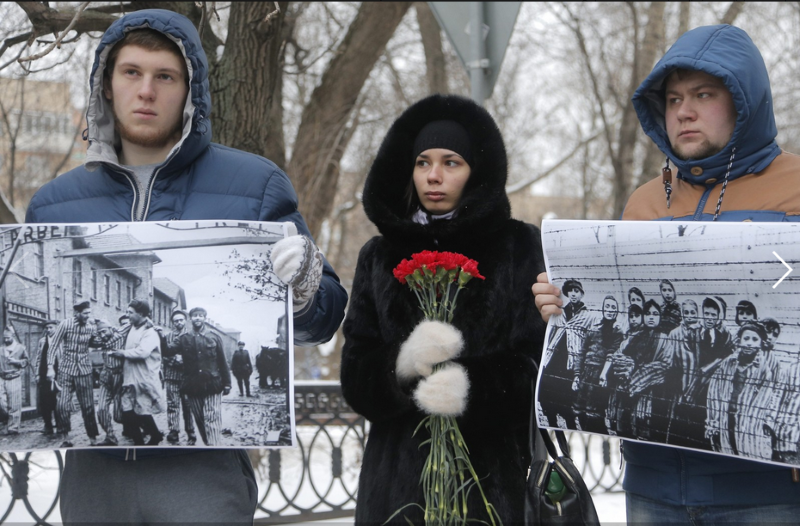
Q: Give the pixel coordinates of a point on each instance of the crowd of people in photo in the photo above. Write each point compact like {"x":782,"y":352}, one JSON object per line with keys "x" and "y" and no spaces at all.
{"x":673,"y":372}
{"x":144,"y":371}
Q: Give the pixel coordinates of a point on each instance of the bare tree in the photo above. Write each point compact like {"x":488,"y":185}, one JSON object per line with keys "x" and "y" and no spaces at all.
{"x":324,"y":133}
{"x":431,"y":35}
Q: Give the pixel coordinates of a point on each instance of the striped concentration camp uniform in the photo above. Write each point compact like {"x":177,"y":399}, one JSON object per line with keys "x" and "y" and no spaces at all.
{"x":784,"y":415}
{"x":110,"y":388}
{"x":71,"y":341}
{"x":173,"y":376}
{"x":207,"y":412}
{"x":739,"y":400}
{"x":206,"y":376}
{"x":11,"y":383}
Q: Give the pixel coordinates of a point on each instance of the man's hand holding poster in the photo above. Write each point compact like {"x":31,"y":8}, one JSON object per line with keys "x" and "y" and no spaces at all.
{"x":683,"y":334}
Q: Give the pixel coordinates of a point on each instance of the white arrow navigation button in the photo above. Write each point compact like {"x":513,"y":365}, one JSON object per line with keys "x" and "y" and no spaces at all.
{"x":787,"y":272}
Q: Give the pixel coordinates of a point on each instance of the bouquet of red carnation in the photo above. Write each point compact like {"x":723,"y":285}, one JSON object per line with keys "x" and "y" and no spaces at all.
{"x":448,"y":475}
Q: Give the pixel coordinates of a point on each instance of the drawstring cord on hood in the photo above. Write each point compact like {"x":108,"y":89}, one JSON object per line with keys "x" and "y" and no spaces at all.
{"x":724,"y":185}
{"x":666,"y":177}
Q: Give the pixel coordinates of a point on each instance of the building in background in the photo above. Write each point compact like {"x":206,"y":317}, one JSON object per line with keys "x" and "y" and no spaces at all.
{"x":46,"y":278}
{"x":40,"y":136}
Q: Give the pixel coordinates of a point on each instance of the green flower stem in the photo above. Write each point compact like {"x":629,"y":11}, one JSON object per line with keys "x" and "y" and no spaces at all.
{"x":448,"y":475}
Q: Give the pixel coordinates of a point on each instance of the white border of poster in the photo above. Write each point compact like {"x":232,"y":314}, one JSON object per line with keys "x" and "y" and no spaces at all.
{"x":677,"y":333}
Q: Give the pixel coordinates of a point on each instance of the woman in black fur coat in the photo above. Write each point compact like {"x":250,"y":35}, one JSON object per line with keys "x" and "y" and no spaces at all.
{"x":412,"y":197}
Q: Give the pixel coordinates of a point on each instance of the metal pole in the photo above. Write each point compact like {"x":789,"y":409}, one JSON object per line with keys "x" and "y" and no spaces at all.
{"x":479,"y":62}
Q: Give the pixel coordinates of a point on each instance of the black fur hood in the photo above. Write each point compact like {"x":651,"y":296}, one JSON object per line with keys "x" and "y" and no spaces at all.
{"x":484,"y":205}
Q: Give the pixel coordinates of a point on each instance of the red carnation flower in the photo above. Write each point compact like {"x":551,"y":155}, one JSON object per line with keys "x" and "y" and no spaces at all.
{"x":471,"y":267}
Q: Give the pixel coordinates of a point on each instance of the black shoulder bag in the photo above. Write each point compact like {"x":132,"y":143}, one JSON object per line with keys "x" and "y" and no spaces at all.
{"x":556,"y":492}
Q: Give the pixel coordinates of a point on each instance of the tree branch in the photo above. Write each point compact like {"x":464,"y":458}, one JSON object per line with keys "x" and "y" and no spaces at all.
{"x":732,"y":13}
{"x":57,"y":41}
{"x":521,"y":185}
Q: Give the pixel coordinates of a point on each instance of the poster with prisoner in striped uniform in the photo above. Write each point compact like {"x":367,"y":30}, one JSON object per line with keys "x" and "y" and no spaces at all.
{"x":175,"y":334}
{"x":681,"y":334}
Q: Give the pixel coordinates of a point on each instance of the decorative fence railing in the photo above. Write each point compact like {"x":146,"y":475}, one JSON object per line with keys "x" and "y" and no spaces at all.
{"x":315,"y":481}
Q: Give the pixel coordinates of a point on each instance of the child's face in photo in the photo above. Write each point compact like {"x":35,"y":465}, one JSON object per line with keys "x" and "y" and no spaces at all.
{"x":652,"y":318}
{"x":634,"y":320}
{"x":667,"y":292}
{"x":710,"y":317}
{"x":635,"y":299}
{"x":772,"y":335}
{"x":574,"y":295}
{"x":749,"y":342}
{"x":610,"y":309}
{"x":746,"y":316}
{"x":689,"y":314}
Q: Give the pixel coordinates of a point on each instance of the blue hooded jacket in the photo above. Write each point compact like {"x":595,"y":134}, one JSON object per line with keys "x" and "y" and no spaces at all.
{"x":198,"y":179}
{"x":728,"y":53}
{"x":672,"y":475}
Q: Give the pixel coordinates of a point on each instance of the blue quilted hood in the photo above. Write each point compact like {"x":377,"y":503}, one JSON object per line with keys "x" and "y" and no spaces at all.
{"x":197,"y":127}
{"x":728,"y":53}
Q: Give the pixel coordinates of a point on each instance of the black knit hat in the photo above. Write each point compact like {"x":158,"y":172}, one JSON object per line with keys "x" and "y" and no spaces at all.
{"x":444,"y":134}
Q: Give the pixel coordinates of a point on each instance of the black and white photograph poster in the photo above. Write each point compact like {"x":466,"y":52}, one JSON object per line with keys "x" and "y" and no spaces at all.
{"x":174,"y":334}
{"x":676,"y":333}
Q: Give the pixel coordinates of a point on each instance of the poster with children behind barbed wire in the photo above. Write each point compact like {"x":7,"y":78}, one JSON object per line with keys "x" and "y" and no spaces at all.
{"x":676,"y":333}
{"x":170,"y":334}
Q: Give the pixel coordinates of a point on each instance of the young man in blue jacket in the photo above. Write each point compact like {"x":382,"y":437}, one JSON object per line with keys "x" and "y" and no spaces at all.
{"x":150,"y":158}
{"x":708,"y":106}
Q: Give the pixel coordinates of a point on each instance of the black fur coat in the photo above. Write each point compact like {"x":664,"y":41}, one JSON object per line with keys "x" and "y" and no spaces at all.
{"x":501,"y":327}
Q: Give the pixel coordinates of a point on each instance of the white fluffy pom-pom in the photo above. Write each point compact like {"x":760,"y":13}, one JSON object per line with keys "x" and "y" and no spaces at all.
{"x":430,"y":342}
{"x":444,"y":392}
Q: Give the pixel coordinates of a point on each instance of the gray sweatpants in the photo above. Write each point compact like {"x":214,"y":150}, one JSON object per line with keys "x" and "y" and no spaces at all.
{"x":197,"y":488}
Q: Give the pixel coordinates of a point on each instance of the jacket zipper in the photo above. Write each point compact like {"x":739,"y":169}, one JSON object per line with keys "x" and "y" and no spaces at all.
{"x":150,"y":183}
{"x":149,"y":187}
{"x":163,"y":165}
{"x":133,"y":186}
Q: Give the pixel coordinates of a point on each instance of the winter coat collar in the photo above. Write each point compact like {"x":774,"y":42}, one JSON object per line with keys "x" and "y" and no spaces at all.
{"x":484,"y":206}
{"x":728,"y":53}
{"x":102,"y":137}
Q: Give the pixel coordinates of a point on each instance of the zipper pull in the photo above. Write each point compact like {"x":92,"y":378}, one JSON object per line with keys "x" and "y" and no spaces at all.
{"x":666,"y":178}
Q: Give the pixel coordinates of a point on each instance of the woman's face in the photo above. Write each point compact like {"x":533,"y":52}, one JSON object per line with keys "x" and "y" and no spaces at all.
{"x":439,"y":178}
{"x":652,"y":317}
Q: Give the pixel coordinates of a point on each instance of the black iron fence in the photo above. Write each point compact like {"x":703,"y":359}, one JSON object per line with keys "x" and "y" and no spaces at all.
{"x":315,"y":481}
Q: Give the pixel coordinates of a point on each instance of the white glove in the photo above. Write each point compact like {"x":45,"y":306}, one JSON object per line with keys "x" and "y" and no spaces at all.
{"x":444,"y":393}
{"x":430,"y":342}
{"x":297,"y":262}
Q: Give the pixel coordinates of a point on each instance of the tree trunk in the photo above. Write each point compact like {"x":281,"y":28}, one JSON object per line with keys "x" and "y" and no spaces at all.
{"x":644,"y":58}
{"x":431,"y":35}
{"x":322,"y":135}
{"x":732,"y":13}
{"x":684,"y":17}
{"x":245,"y":80}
